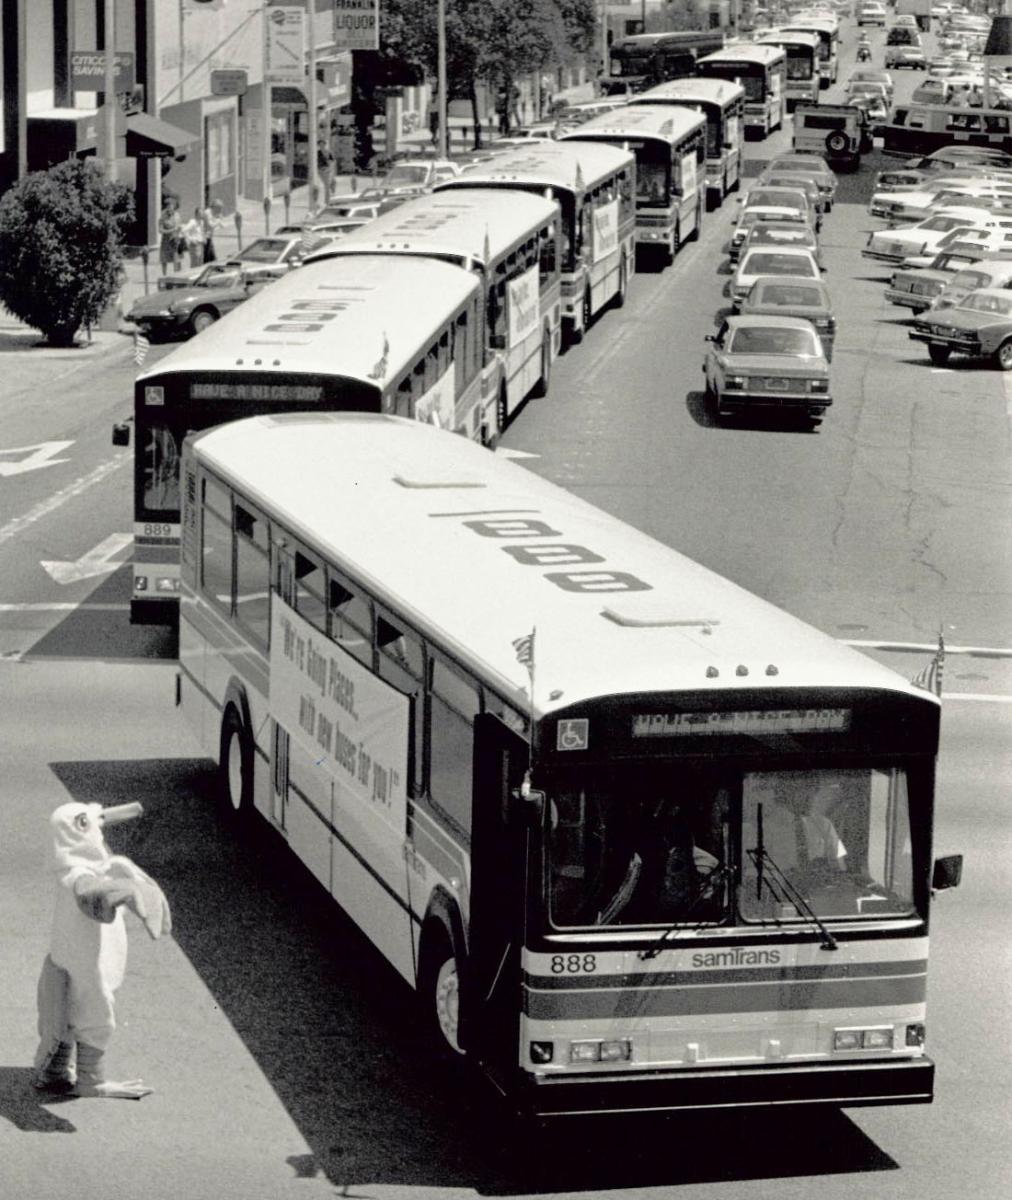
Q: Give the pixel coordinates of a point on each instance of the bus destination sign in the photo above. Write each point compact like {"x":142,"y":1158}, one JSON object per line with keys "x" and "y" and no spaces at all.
{"x":282,"y":393}
{"x":695,"y":724}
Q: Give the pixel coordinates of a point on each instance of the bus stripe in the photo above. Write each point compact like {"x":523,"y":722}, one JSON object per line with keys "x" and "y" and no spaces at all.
{"x":775,"y":996}
{"x":667,"y":979}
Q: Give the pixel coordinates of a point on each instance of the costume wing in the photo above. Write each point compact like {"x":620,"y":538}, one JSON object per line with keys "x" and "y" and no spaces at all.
{"x":141,"y":895}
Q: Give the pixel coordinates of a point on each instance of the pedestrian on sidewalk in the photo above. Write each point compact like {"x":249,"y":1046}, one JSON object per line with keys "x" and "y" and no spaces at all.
{"x":214,"y":223}
{"x":193,"y":235}
{"x":170,"y":229}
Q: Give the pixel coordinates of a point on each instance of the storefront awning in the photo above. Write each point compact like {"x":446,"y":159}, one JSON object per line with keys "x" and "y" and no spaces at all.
{"x":75,"y":129}
{"x":149,"y":137}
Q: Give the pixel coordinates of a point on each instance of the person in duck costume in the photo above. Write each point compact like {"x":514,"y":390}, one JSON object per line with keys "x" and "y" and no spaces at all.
{"x":88,"y":949}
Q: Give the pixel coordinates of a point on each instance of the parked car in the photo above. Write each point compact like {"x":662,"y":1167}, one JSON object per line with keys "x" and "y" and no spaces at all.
{"x":191,"y":309}
{"x":334,"y":227}
{"x":762,"y":213}
{"x":905,"y":56}
{"x":790,"y":296}
{"x":872,"y":14}
{"x":947,"y":157}
{"x":805,"y":183}
{"x":776,"y":233}
{"x":355,"y":210}
{"x":264,"y":258}
{"x":916,"y":287}
{"x":780,"y":197}
{"x":907,"y":207}
{"x":771,"y":260}
{"x":895,"y":245}
{"x":767,"y":362}
{"x":903,"y":35}
{"x":412,"y":177}
{"x":866,"y":87}
{"x":988,"y":273}
{"x":813,"y":165}
{"x":981,"y":327}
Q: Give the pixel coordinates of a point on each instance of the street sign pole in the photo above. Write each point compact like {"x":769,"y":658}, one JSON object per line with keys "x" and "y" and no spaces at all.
{"x":265,"y":103}
{"x":111,"y":105}
{"x":312,"y":147}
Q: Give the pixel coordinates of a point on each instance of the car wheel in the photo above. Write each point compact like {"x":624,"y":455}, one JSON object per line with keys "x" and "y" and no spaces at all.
{"x":202,"y":319}
{"x":939,"y":355}
{"x":1003,"y":355}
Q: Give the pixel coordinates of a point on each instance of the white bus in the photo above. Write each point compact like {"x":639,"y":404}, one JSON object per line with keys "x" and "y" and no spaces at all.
{"x":723,"y":105}
{"x":511,"y":242}
{"x":827,"y":28}
{"x":340,"y":335}
{"x":639,"y":840}
{"x":595,"y":186}
{"x":761,"y":71}
{"x":802,"y":49}
{"x":670,"y":149}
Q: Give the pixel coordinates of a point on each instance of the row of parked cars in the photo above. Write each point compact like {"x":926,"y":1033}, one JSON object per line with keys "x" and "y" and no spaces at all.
{"x":772,"y":350}
{"x":949,"y":238}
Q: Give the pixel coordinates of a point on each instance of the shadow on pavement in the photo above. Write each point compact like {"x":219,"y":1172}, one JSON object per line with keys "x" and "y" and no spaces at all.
{"x":25,"y":1108}
{"x":100,"y":628}
{"x":331,"y":1026}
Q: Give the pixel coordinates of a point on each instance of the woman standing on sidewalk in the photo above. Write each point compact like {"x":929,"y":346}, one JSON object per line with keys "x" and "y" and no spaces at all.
{"x":169,"y":233}
{"x":214,"y":222}
{"x":193,"y":233}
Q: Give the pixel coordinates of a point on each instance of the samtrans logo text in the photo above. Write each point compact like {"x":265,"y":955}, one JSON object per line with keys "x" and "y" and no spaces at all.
{"x":738,"y":957}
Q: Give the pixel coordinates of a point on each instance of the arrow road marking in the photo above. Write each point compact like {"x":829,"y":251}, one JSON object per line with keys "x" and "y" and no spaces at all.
{"x":96,"y":562}
{"x":39,"y":455}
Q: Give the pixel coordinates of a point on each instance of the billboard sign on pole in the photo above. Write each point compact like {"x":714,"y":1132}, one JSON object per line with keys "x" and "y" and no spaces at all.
{"x":356,"y":24}
{"x":284,"y":48}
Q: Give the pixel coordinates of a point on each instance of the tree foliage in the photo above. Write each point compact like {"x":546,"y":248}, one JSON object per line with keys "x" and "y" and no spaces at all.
{"x":61,"y":247}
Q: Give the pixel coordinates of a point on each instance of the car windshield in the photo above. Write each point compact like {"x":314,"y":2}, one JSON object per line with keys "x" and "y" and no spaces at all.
{"x":799,"y":163}
{"x":756,"y":339}
{"x":772,"y":235}
{"x":769,"y":262}
{"x":224,"y":277}
{"x":940,"y":224}
{"x":775,"y":198}
{"x":263,"y":250}
{"x":970,"y":279}
{"x":638,"y":844}
{"x":792,"y":294}
{"x":405,"y":175}
{"x":986,"y":303}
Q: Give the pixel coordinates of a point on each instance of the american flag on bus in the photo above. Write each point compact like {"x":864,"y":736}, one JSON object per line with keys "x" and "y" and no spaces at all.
{"x":524,"y":646}
{"x":930,"y":677}
{"x":141,"y":347}
{"x":380,"y":369}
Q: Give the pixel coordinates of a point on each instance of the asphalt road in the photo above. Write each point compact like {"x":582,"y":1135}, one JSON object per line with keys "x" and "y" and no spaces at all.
{"x":281,"y":1047}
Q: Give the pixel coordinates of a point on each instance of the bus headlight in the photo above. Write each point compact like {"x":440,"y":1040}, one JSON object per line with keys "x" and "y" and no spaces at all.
{"x":863,"y":1039}
{"x":603,"y":1051}
{"x":166,"y":584}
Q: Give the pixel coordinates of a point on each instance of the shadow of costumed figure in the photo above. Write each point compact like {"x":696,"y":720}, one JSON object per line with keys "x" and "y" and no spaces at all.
{"x":87,"y":955}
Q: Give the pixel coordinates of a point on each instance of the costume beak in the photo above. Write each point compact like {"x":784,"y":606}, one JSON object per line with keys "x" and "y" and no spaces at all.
{"x":120,"y":812}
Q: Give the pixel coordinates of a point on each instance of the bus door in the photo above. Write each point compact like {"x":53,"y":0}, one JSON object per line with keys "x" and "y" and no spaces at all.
{"x":492,"y":994}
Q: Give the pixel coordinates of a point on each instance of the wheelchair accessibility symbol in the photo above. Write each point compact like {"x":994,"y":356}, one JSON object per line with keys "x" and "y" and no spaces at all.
{"x":572,"y":735}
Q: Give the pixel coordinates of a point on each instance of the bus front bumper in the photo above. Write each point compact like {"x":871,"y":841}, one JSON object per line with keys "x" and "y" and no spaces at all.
{"x":844,"y":1084}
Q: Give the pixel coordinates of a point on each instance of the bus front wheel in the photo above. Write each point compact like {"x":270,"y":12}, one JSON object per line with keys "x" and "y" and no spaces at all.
{"x":501,"y":410}
{"x":235,"y":767}
{"x":623,"y":283}
{"x":440,"y":984}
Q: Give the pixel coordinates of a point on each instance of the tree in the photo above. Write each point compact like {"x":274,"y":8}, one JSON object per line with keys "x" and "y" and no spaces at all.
{"x":61,"y":247}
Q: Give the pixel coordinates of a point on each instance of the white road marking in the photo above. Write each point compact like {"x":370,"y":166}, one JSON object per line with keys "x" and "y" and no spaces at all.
{"x":58,"y":499}
{"x":39,"y":455}
{"x":97,"y":561}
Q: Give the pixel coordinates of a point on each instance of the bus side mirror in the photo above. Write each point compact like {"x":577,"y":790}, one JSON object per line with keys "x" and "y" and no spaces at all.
{"x":121,"y":434}
{"x":947,"y":872}
{"x":497,"y":341}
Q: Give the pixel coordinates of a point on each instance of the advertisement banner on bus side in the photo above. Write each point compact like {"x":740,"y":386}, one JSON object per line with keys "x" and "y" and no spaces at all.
{"x":353,"y":725}
{"x":605,"y":230}
{"x":688,"y":172}
{"x":522,"y":305}
{"x":437,"y":405}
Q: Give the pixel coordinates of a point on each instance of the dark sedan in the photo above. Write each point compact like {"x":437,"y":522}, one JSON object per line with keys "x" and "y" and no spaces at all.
{"x":981,"y":327}
{"x":794,"y":297}
{"x":186,"y":311}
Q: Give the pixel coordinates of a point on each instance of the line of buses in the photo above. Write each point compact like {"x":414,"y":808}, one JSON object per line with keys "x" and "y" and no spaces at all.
{"x":638,"y":840}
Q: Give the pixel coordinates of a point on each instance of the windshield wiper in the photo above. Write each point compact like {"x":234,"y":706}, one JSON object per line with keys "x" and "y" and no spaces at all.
{"x":784,"y":892}
{"x":705,"y":889}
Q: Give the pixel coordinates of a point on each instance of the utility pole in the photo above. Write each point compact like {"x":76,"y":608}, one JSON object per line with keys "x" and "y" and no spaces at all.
{"x":441,"y":76}
{"x":111,"y":102}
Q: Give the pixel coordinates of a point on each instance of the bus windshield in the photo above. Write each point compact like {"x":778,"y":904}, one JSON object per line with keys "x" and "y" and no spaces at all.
{"x":658,"y":843}
{"x":653,"y":173}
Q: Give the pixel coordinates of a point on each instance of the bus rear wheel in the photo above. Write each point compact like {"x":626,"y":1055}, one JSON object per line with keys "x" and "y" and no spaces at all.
{"x":623,"y":284}
{"x":235,"y":768}
{"x":541,"y":387}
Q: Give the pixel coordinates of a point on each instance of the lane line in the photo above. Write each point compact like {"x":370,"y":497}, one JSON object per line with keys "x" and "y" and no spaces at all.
{"x":58,"y":499}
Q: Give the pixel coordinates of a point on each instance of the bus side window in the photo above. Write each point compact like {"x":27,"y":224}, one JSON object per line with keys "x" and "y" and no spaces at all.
{"x":462,"y":351}
{"x":350,"y":620}
{"x":310,"y":591}
{"x":546,"y":256}
{"x":996,"y":123}
{"x":431,"y":367}
{"x":252,"y":574}
{"x":401,"y":663}
{"x":454,"y":703}
{"x":216,"y":546}
{"x":404,"y":407}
